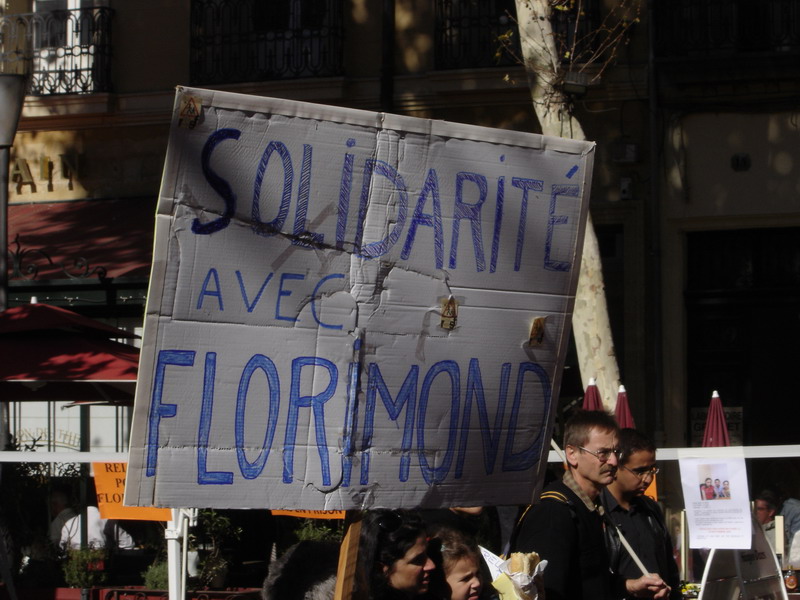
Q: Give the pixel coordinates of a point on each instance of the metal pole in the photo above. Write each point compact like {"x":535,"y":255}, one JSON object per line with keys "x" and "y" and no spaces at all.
{"x":387,"y":56}
{"x":173,"y":537}
{"x":653,"y":217}
{"x":5,"y":153}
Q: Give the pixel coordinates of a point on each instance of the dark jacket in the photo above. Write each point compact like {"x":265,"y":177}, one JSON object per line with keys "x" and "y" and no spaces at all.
{"x":648,"y":513}
{"x":566,"y":533}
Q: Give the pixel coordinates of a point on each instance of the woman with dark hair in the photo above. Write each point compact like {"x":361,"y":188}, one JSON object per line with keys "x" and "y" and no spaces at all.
{"x":393,"y":555}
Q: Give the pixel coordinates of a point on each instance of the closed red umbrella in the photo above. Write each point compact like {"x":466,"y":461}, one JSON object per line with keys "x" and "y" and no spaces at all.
{"x":591,"y":399}
{"x":623,"y":411}
{"x":716,"y":431}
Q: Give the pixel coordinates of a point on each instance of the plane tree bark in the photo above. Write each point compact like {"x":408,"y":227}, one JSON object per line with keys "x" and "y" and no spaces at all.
{"x":544,"y":64}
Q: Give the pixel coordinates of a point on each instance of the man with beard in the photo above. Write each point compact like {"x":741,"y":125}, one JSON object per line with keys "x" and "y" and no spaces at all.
{"x":638,"y":518}
{"x":566,"y":526}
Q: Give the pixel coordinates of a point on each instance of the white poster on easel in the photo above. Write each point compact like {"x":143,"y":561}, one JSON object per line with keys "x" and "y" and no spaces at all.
{"x":717,"y":500}
{"x":752,"y":574}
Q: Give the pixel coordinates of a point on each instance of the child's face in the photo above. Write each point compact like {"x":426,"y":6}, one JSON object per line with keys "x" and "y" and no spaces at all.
{"x":464,"y":580}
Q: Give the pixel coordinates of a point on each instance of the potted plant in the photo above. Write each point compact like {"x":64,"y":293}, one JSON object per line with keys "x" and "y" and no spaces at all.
{"x":84,"y":568}
{"x":213,"y":533}
{"x":156,"y":577}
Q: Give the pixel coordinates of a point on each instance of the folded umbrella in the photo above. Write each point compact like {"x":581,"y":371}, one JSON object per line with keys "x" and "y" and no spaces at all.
{"x":591,"y":398}
{"x":623,"y":412}
{"x":716,"y":431}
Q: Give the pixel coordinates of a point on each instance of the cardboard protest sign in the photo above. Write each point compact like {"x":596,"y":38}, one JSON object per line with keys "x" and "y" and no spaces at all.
{"x":310,"y":514}
{"x":109,"y":479}
{"x":351,"y":309}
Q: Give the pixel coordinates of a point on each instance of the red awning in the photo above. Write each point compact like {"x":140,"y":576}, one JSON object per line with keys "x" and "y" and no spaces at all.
{"x":66,"y":357}
{"x":46,"y":317}
{"x":114,"y":234}
{"x":40,"y":342}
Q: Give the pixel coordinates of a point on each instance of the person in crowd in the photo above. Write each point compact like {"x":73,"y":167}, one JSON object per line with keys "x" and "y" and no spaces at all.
{"x":101,"y":533}
{"x":480,"y":523}
{"x":566,"y":526}
{"x":726,"y":489}
{"x":393,"y":556}
{"x":306,"y":571}
{"x":707,"y":490}
{"x":766,"y":507}
{"x":639,"y":518}
{"x":790,"y":510}
{"x":718,"y":488}
{"x":117,"y":535}
{"x":71,"y":532}
{"x":458,"y":560}
{"x":61,"y":512}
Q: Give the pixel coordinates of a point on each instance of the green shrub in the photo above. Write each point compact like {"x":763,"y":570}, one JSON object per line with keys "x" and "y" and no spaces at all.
{"x":322,"y":530}
{"x":156,"y":577}
{"x":85,"y":568}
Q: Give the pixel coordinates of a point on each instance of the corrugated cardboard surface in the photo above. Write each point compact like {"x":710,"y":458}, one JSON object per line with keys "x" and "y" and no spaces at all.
{"x":293,"y":352}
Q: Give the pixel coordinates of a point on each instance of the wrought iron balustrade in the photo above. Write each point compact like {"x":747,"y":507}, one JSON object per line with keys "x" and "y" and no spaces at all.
{"x":726,"y":28}
{"x":467,"y":32}
{"x":253,"y":40}
{"x":26,"y":263}
{"x":69,"y":50}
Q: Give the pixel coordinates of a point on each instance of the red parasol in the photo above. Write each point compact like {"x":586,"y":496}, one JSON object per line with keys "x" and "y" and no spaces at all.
{"x":46,"y":317}
{"x":716,"y":431}
{"x":591,"y":399}
{"x":51,"y":353}
{"x":623,"y":411}
{"x":66,"y":357}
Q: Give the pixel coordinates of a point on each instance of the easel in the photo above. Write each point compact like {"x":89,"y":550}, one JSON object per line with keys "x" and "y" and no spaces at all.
{"x":751,"y":573}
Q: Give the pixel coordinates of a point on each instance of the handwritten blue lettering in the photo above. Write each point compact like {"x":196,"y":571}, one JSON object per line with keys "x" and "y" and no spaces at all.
{"x":317,"y":404}
{"x":158,"y":409}
{"x":274,"y":226}
{"x":570,"y":191}
{"x":251,"y":470}
{"x":429,"y":473}
{"x":216,"y":292}
{"x":217,"y":183}
{"x":204,"y":476}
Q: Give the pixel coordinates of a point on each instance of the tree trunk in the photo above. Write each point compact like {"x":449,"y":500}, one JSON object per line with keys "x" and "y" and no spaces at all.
{"x":590,"y":322}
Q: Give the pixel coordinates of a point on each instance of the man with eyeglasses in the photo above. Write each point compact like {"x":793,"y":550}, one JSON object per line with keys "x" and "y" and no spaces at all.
{"x":639,"y":519}
{"x":566,"y":526}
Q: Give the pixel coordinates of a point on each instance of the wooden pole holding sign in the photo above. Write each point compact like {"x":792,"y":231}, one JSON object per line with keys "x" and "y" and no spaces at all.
{"x":348,"y":558}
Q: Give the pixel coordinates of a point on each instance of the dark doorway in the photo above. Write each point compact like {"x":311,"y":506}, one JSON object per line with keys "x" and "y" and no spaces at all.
{"x":743,"y":327}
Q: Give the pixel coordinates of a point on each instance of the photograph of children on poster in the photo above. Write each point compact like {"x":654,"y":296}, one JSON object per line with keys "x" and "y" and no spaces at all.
{"x":717,"y":502}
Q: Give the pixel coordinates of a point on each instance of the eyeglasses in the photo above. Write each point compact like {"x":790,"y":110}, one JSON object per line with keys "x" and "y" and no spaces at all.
{"x":643,"y":472}
{"x":601,"y":455}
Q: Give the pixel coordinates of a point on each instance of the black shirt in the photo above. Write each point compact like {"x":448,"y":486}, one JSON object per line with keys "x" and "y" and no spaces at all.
{"x":566,"y":529}
{"x":643,"y":526}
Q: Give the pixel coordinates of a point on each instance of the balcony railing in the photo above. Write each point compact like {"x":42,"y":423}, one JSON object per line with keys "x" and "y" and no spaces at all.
{"x":69,"y":50}
{"x":467,"y":31}
{"x":726,"y":28}
{"x":254,"y":40}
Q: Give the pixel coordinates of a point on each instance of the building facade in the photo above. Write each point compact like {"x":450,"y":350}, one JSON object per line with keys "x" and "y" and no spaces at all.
{"x":696,"y":181}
